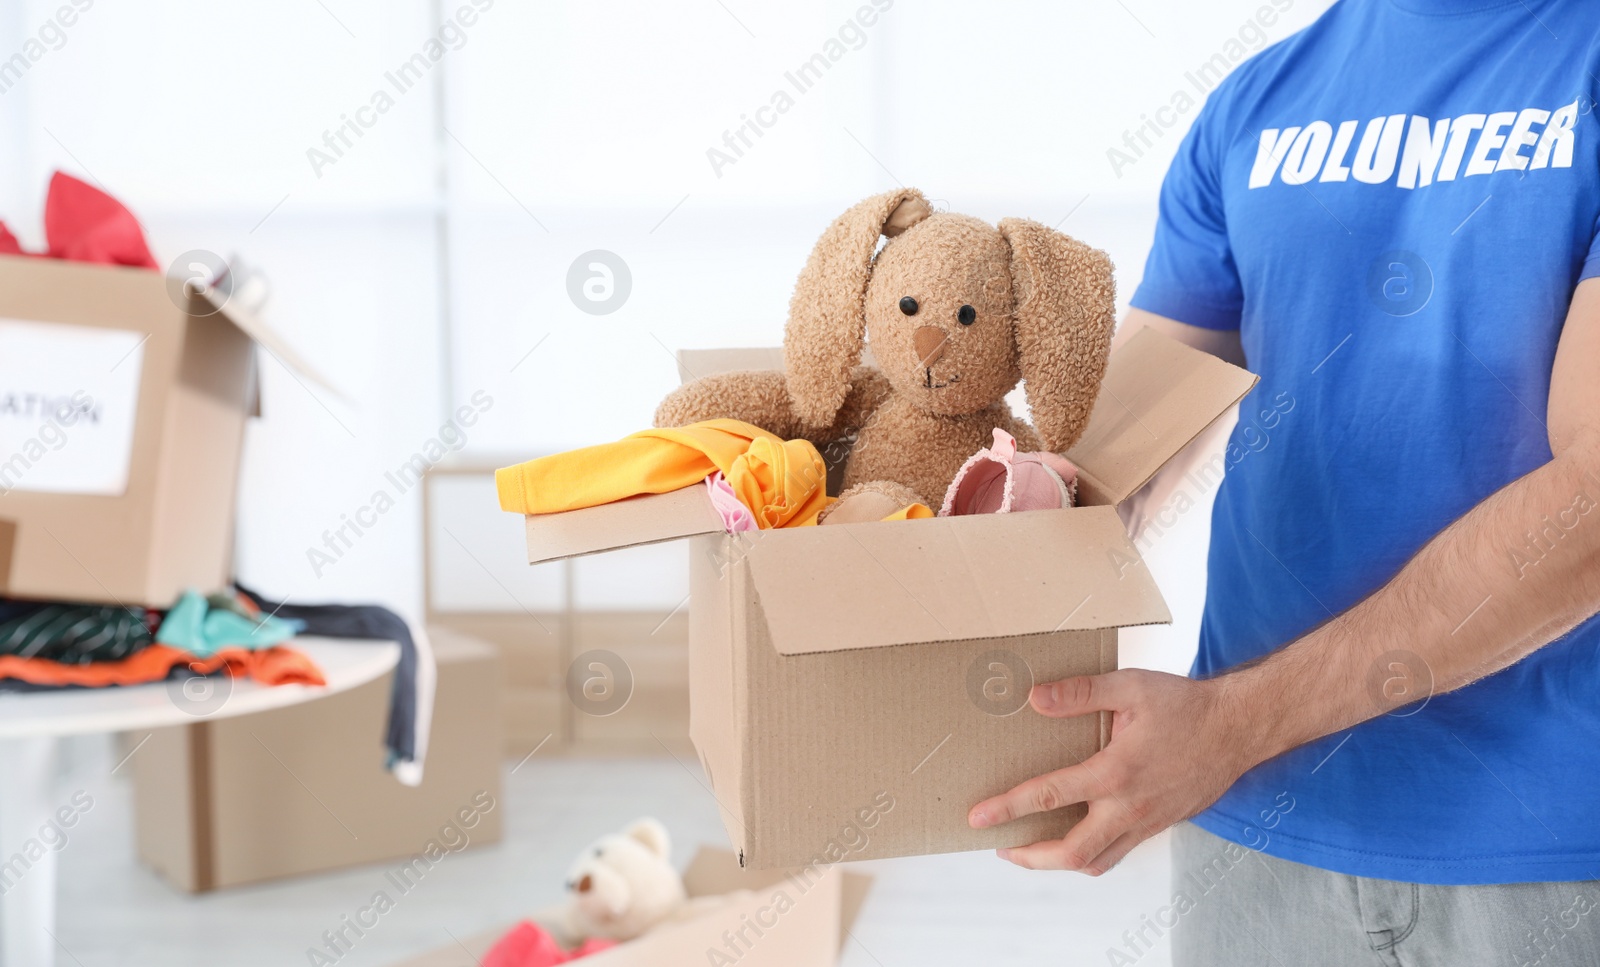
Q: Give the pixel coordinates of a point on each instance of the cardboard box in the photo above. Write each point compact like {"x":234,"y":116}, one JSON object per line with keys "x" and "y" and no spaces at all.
{"x":820,"y":906}
{"x":303,"y":789}
{"x":533,"y":699}
{"x":856,"y":688}
{"x":123,"y":398}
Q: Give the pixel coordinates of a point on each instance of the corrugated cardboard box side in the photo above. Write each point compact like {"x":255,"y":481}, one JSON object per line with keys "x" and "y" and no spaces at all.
{"x":303,"y":789}
{"x":805,"y":927}
{"x":158,"y":517}
{"x":856,"y":688}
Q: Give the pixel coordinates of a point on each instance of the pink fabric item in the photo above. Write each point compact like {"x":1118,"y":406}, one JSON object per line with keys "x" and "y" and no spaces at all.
{"x":529,"y":945}
{"x":735,"y":515}
{"x":999,"y":480}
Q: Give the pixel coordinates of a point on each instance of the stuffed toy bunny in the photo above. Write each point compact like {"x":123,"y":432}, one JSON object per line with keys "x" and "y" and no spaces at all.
{"x":956,"y":312}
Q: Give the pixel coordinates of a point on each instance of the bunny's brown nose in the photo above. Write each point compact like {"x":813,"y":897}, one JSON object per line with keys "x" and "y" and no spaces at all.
{"x":930,"y":342}
{"x":586,"y":884}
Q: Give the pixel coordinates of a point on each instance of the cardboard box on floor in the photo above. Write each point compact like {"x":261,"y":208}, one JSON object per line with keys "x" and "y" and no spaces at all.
{"x":791,"y":918}
{"x":856,"y":688}
{"x":303,"y":789}
{"x":123,"y":399}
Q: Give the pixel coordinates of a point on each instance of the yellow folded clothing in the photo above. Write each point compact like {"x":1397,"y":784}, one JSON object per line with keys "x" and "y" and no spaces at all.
{"x":783,"y":482}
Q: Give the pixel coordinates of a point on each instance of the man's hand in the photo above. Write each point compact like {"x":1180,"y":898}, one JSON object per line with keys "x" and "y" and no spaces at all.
{"x":1176,"y":746}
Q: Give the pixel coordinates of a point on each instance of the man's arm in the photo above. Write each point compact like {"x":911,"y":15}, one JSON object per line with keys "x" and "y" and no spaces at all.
{"x":1462,"y":605}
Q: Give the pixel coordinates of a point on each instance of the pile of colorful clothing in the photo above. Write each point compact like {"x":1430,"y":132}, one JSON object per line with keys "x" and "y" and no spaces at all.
{"x":52,"y":644}
{"x":758,"y":480}
{"x":57,"y":645}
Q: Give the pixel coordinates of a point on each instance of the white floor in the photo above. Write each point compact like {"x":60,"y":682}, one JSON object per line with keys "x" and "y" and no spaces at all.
{"x":964,"y":909}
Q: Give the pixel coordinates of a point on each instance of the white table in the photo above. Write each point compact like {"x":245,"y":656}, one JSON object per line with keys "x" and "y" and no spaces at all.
{"x":31,"y":724}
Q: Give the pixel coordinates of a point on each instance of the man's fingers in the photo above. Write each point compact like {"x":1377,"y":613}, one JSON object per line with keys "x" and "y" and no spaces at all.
{"x":1039,"y":856}
{"x":1040,"y":795}
{"x":1067,"y":855}
{"x":1114,"y":854}
{"x":1083,"y":694}
{"x":1090,"y":838}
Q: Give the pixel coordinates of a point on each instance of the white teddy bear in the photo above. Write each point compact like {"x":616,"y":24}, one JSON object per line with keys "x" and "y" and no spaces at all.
{"x":624,"y":884}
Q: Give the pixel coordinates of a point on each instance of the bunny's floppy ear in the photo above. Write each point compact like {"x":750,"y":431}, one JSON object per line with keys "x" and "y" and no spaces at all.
{"x":827,"y":315}
{"x":1066,"y":311}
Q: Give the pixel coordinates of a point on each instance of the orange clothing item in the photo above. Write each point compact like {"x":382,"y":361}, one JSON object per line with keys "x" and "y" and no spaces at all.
{"x":269,"y":666}
{"x":912,"y":512}
{"x":783,"y":482}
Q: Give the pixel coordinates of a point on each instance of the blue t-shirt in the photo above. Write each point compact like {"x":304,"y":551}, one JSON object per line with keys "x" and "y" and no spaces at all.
{"x":1393,"y":207}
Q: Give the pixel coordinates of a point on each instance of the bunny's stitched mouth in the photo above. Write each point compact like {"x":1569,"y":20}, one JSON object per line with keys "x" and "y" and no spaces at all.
{"x":928,"y":383}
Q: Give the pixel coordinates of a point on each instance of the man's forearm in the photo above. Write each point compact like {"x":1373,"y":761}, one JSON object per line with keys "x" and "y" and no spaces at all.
{"x":1474,"y":600}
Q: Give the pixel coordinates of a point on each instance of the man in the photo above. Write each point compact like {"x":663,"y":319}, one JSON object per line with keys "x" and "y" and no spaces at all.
{"x":1390,"y":742}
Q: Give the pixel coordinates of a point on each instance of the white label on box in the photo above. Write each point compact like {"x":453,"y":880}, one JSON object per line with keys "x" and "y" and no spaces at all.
{"x":69,"y":396}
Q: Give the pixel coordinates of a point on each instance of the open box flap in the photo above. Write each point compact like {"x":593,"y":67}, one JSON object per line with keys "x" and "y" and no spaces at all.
{"x":208,"y":302}
{"x":646,"y":519}
{"x":807,"y":934}
{"x":845,"y":586}
{"x":1158,"y":395}
{"x":714,"y":871}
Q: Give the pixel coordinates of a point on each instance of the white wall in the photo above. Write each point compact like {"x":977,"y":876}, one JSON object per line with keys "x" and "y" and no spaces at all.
{"x":429,"y":261}
{"x":1007,"y":111}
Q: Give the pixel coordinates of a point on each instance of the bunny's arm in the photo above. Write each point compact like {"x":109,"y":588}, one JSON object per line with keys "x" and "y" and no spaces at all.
{"x":762,"y":398}
{"x":868,"y":389}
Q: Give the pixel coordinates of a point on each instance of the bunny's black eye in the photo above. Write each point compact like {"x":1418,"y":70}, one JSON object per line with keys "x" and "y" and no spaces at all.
{"x":967,"y":316}
{"x":908,"y":305}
